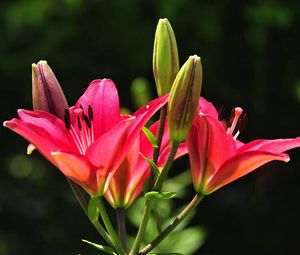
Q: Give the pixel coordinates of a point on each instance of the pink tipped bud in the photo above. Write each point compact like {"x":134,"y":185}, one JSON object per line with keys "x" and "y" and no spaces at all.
{"x":184,"y":98}
{"x":47,"y":94}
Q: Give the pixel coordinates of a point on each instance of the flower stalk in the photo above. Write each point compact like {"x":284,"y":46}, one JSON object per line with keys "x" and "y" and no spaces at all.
{"x":122,"y":227}
{"x":186,"y":211}
{"x":109,"y":227}
{"x":149,"y":203}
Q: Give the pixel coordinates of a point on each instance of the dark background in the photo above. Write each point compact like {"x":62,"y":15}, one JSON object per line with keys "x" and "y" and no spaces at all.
{"x":250,"y":54}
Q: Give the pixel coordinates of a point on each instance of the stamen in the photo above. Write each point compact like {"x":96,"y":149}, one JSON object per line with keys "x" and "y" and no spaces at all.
{"x":90,"y":113}
{"x":221,"y":113}
{"x":237,"y":113}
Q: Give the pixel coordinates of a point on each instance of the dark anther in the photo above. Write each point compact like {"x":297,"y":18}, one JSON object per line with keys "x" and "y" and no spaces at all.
{"x":67,"y":113}
{"x":87,"y":121}
{"x":243,"y":122}
{"x":231,"y":117}
{"x":222,"y":112}
{"x":79,"y":123}
{"x":67,"y":119}
{"x":81,"y":107}
{"x":90,"y":113}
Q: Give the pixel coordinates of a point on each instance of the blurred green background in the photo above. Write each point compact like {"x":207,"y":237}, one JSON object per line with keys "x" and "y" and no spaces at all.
{"x":250,"y":54}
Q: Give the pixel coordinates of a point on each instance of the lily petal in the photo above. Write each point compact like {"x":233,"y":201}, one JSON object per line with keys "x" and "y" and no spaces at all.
{"x":52,"y":128}
{"x":275,"y":146}
{"x":38,"y":136}
{"x":207,"y":107}
{"x":144,"y":114}
{"x":105,"y":153}
{"x":77,"y":168}
{"x":239,"y":166}
{"x":102,"y":97}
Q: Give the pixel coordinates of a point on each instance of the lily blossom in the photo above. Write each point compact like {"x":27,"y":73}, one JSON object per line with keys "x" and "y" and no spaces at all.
{"x":218,"y":158}
{"x":128,"y":181}
{"x":92,"y":140}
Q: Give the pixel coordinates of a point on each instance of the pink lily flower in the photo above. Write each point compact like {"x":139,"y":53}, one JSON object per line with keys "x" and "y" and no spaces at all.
{"x":218,"y":158}
{"x":92,"y":141}
{"x":128,"y":181}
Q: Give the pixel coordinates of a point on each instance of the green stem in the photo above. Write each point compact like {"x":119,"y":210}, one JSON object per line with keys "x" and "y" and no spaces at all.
{"x":149,"y":204}
{"x":78,"y":194}
{"x":164,"y":172}
{"x":186,"y":211}
{"x":122,"y":227}
{"x":160,"y":132}
{"x":139,"y":237}
{"x":109,"y":227}
{"x":157,"y":220}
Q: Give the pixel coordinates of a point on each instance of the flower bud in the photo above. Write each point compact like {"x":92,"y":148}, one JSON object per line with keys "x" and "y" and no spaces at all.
{"x":184,"y":98}
{"x":165,"y":57}
{"x":47,"y":94}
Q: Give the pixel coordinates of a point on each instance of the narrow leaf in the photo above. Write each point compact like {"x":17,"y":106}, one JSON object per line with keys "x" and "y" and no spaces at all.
{"x":154,"y":167}
{"x":154,"y":195}
{"x":152,"y":139}
{"x":93,"y":211}
{"x":100,"y":247}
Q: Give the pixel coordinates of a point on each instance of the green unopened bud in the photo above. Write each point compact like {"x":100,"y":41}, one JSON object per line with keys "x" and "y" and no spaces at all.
{"x":165,"y":57}
{"x":184,"y":98}
{"x":47,"y":94}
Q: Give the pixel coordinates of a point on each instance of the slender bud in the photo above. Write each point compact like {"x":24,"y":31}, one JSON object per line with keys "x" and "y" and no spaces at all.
{"x":184,"y":98}
{"x":165,"y":57}
{"x":47,"y":94}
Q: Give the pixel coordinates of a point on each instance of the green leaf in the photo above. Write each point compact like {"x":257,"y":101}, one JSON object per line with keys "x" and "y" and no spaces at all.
{"x":154,"y":195}
{"x":93,"y":211}
{"x":156,"y":170}
{"x":100,"y":247}
{"x":150,"y":136}
{"x":166,"y":253}
{"x":186,"y":241}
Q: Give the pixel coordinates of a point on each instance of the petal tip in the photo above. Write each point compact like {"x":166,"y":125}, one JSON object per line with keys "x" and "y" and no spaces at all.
{"x":30,"y":149}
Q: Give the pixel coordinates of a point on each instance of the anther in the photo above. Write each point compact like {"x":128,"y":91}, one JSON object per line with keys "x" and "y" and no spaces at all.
{"x":79,"y":123}
{"x":87,"y":121}
{"x":231,"y":117}
{"x":67,"y":119}
{"x":67,"y":122}
{"x":221,"y":113}
{"x":90,"y":113}
{"x":243,"y":122}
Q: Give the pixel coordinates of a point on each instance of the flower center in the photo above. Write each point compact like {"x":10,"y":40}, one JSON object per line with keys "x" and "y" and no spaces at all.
{"x":236,"y":119}
{"x":81,"y":127}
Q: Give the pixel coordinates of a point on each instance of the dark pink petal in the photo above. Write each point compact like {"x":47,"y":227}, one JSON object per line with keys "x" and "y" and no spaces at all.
{"x":50,"y":128}
{"x":197,"y":147}
{"x":120,"y":186}
{"x":207,"y":107}
{"x":130,"y":198}
{"x":239,"y":166}
{"x":275,"y":146}
{"x":220,"y":145}
{"x":77,"y":168}
{"x":38,"y":136}
{"x":163,"y":157}
{"x":144,"y":114}
{"x":102,"y":96}
{"x":105,"y":153}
